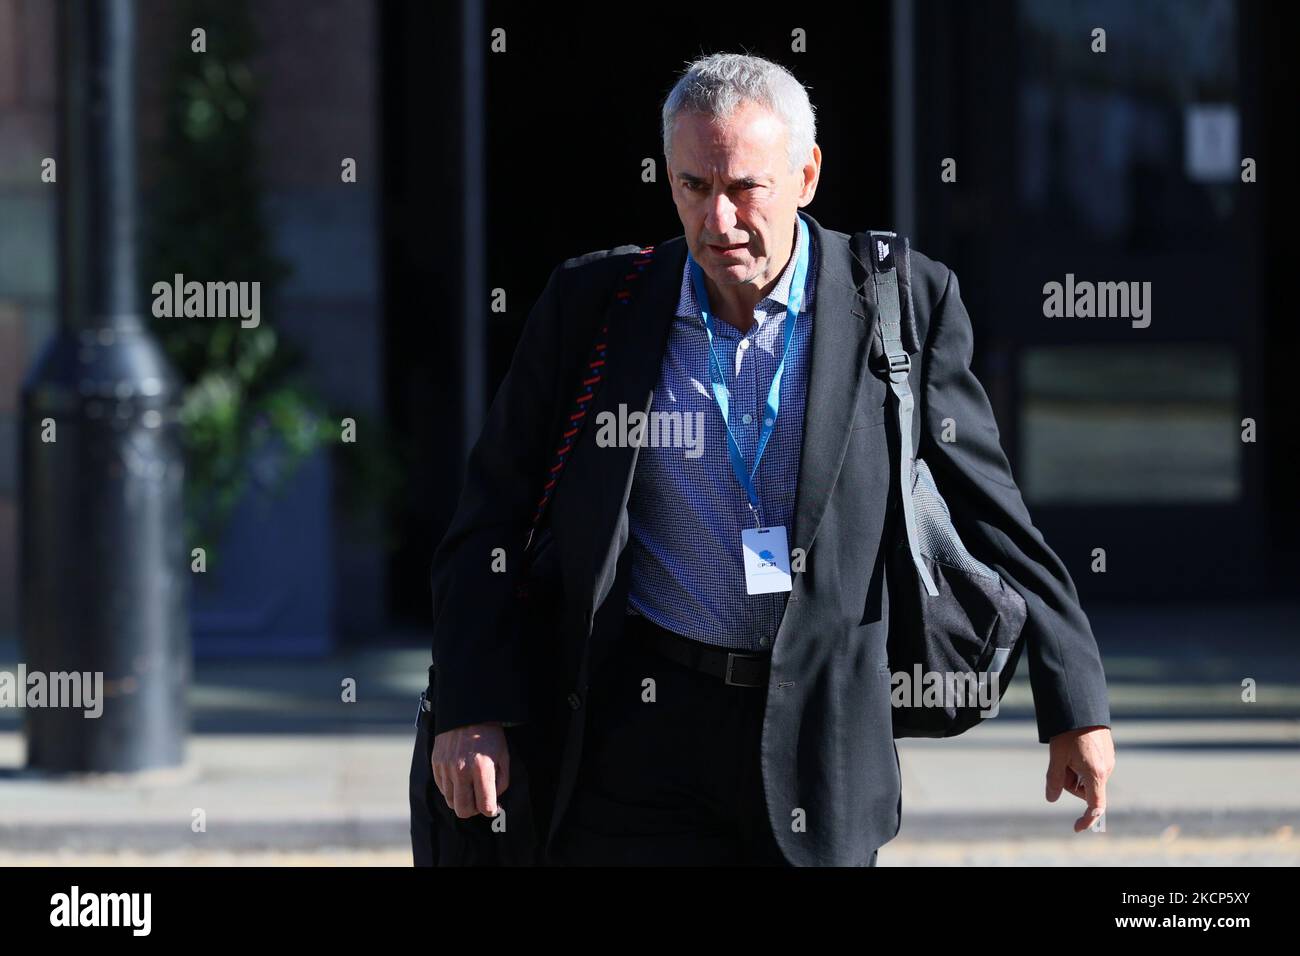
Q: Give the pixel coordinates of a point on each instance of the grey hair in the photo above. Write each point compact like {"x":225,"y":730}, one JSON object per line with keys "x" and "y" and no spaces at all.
{"x":716,"y":85}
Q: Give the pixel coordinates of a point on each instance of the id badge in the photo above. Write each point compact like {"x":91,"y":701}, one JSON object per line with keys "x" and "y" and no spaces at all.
{"x":767,"y":560}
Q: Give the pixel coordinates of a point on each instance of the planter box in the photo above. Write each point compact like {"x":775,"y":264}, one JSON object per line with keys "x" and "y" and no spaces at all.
{"x":268,"y":591}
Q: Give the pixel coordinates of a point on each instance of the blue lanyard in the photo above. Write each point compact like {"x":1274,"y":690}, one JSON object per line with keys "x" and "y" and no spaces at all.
{"x":718,"y":378}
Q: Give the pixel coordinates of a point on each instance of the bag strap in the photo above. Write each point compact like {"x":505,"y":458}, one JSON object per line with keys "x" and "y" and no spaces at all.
{"x":889,"y":257}
{"x":593,"y":372}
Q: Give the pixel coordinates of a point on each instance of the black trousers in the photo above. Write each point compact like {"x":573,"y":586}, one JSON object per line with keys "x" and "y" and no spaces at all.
{"x":672,"y":779}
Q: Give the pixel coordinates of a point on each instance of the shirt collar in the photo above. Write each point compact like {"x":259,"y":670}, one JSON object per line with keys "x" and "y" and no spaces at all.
{"x":780,"y":293}
{"x":687,"y":307}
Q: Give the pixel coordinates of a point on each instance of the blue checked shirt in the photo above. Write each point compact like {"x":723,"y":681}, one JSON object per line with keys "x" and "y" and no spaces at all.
{"x":687,"y":510}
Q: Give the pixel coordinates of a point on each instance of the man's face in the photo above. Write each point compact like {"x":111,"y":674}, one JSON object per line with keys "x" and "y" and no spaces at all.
{"x":735,"y":194}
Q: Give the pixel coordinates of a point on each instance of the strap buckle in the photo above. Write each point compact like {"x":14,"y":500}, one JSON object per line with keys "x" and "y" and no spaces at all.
{"x":900,"y":362}
{"x":423,"y":708}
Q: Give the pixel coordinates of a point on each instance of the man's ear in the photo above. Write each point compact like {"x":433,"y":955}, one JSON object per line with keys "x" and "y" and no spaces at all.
{"x":810,"y":185}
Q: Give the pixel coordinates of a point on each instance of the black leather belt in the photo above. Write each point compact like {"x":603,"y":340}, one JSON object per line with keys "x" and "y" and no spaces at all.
{"x":734,"y":668}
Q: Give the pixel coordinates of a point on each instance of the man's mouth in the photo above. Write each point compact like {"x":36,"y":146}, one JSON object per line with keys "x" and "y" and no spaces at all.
{"x":734,"y":248}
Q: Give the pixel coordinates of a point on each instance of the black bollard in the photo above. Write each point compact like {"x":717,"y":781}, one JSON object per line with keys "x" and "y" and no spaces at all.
{"x":104,"y":564}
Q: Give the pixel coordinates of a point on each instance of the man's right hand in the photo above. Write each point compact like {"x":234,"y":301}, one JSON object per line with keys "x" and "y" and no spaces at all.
{"x":471,"y":767}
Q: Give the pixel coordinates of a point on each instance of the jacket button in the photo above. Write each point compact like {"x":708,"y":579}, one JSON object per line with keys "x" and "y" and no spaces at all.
{"x":574,"y":700}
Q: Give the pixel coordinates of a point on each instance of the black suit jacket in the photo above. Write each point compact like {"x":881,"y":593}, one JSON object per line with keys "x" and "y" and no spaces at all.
{"x":828,"y":754}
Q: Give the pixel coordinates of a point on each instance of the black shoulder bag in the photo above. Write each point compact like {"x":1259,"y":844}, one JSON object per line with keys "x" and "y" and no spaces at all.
{"x":954,"y":623}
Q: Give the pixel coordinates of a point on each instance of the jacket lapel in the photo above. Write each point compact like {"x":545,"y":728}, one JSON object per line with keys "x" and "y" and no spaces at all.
{"x":599,"y":479}
{"x":842,"y":345}
{"x":591,"y":505}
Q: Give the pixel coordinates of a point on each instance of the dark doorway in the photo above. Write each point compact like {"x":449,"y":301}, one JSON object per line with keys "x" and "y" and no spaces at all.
{"x":572,"y":110}
{"x":1120,"y":166}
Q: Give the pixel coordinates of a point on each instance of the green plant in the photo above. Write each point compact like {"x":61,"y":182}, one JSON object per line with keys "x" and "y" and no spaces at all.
{"x":241,"y":386}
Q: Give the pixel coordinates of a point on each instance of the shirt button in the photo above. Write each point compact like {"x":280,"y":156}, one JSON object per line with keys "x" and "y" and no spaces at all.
{"x":763,"y":642}
{"x":744,"y":344}
{"x":747,"y":419}
{"x":767,"y":422}
{"x":574,"y":701}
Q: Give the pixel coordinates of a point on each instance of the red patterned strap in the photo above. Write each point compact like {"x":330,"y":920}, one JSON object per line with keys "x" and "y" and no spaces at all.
{"x":592,"y":375}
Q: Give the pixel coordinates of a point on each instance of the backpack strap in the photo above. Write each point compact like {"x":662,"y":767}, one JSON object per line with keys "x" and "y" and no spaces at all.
{"x":593,"y":372}
{"x":888,"y":259}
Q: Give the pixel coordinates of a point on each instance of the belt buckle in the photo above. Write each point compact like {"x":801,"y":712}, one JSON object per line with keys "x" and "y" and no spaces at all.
{"x":732,"y":657}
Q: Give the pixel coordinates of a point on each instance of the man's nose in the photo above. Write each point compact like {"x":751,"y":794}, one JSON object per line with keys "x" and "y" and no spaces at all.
{"x":722,"y":215}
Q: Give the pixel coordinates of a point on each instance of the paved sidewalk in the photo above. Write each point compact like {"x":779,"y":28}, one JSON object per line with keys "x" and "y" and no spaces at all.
{"x":1230,"y":851}
{"x":288,"y":774}
{"x":299,"y":792}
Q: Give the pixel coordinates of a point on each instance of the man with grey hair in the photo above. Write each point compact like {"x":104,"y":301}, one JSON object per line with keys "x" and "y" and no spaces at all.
{"x":722,"y":630}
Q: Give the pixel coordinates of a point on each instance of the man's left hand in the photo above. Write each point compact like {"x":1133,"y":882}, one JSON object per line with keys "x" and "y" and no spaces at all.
{"x":1081,"y":761}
